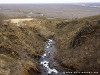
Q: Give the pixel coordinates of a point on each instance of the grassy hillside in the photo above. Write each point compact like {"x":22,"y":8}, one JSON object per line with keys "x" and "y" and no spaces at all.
{"x":78,"y":44}
{"x":19,"y":46}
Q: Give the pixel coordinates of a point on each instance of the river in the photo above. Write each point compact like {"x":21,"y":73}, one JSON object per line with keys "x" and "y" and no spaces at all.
{"x":46,"y":64}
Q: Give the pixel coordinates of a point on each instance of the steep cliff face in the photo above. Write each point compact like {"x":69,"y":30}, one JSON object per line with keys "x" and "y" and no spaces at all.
{"x":78,"y":44}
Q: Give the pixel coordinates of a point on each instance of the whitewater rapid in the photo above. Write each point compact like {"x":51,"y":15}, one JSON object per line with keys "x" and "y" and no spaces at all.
{"x":45,"y":61}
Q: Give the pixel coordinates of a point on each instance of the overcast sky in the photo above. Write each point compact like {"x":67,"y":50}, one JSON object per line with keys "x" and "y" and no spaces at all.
{"x":47,"y":1}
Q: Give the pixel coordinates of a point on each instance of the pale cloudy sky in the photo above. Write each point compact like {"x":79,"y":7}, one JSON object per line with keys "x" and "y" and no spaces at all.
{"x":47,"y":1}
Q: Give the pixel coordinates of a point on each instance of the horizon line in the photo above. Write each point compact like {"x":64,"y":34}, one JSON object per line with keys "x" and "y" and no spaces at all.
{"x":51,"y":3}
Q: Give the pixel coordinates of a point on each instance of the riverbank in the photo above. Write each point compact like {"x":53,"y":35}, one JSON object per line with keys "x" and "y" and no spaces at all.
{"x":76,"y":48}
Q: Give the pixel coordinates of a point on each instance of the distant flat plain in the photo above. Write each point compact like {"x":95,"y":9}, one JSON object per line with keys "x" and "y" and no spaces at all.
{"x":50,"y":10}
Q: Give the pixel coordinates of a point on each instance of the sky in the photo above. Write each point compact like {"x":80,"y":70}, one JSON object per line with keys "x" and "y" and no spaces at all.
{"x":47,"y":1}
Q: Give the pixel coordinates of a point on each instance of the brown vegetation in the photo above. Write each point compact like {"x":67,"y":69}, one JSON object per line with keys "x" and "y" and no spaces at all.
{"x":19,"y":46}
{"x":1,"y":19}
{"x":78,"y":44}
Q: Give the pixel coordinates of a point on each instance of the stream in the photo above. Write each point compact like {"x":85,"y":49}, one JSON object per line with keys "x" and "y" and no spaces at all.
{"x":46,"y":65}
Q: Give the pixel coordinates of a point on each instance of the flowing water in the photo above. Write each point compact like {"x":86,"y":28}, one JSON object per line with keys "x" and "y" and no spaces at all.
{"x":45,"y":59}
{"x":47,"y":68}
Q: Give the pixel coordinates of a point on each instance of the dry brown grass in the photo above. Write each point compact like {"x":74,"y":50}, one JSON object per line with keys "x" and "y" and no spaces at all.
{"x":22,"y":45}
{"x":78,"y":44}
